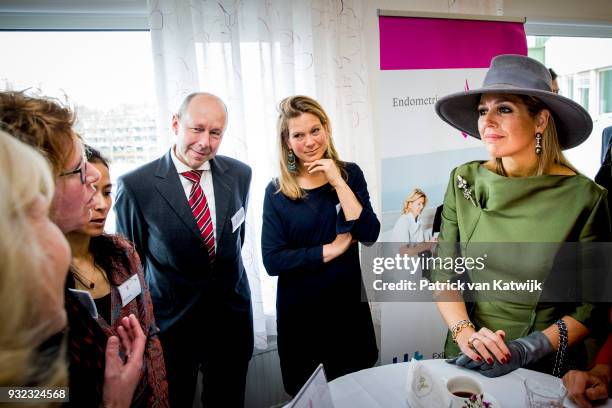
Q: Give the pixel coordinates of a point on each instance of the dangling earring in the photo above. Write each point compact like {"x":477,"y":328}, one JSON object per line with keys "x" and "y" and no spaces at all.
{"x":538,"y":148}
{"x":291,"y":166}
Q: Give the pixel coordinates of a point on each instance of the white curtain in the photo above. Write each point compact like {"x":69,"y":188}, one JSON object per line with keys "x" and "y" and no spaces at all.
{"x":253,"y":54}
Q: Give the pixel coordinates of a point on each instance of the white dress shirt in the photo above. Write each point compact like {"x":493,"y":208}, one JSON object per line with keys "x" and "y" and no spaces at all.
{"x":206,"y":182}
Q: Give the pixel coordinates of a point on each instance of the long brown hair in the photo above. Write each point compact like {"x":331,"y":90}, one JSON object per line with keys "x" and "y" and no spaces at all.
{"x":551,"y":149}
{"x":289,"y":108}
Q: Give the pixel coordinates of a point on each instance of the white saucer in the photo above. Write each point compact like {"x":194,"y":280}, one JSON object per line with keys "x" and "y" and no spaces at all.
{"x":489,"y":398}
{"x":486,"y":398}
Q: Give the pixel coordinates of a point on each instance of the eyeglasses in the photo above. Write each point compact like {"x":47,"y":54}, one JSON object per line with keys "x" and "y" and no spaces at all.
{"x":81,"y":170}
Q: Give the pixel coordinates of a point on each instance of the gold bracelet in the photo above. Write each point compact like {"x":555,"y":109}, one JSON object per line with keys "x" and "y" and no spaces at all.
{"x":460,"y":325}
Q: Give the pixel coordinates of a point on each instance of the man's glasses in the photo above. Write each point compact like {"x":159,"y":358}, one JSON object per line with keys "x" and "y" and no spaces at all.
{"x":81,"y":170}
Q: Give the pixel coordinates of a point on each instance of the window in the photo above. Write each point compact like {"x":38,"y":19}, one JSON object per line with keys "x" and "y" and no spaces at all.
{"x":583,"y":88}
{"x":584,"y":69}
{"x":569,"y":86}
{"x":106,"y":76}
{"x":605,"y":91}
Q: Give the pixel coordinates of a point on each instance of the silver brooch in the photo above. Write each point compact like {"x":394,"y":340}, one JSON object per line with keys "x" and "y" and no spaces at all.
{"x":467,"y":190}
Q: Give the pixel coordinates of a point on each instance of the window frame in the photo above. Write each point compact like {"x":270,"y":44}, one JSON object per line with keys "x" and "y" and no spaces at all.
{"x":568,"y":28}
{"x":74,"y":15}
{"x":600,"y":73}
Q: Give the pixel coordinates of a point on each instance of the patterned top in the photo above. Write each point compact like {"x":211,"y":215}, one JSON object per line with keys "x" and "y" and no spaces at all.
{"x":87,"y":336}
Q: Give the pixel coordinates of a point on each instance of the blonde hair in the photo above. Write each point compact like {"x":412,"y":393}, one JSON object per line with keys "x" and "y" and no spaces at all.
{"x":42,"y":122}
{"x":412,"y":197}
{"x":293,"y":107}
{"x":25,"y":176}
{"x":551,"y":148}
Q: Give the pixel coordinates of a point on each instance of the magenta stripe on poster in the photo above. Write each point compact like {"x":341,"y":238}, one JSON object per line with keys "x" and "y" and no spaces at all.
{"x":434,"y":43}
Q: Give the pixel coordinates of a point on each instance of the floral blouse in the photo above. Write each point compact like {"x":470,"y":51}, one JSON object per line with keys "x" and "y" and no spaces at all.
{"x":87,"y":335}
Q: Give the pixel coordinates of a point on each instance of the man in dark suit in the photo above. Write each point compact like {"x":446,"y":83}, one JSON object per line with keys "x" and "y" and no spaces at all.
{"x":185,"y":213}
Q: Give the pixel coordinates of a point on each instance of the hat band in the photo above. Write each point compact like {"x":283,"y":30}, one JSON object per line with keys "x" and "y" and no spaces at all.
{"x":515,"y":78}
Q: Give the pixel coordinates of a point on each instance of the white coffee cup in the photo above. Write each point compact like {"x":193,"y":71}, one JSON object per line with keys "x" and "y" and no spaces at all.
{"x":461,"y":388}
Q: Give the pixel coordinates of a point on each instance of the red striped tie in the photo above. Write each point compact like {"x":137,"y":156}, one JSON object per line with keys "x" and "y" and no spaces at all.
{"x":201,"y":212}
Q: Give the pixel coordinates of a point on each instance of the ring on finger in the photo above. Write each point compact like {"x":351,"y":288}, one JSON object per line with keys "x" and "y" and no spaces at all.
{"x":471,"y":342}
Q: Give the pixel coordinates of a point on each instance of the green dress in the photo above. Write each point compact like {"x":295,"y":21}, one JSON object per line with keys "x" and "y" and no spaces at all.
{"x":543,"y":209}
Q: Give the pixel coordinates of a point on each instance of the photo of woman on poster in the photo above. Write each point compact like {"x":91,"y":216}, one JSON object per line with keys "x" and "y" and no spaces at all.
{"x":408,"y":227}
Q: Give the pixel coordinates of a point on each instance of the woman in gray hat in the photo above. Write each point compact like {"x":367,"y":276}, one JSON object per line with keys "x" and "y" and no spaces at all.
{"x":527,"y":192}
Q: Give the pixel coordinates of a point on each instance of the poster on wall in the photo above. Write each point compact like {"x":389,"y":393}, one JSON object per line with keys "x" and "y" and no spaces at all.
{"x":421,"y":60}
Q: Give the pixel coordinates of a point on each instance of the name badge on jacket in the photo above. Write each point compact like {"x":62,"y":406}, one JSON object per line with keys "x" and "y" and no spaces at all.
{"x":129,"y":290}
{"x":237,"y":219}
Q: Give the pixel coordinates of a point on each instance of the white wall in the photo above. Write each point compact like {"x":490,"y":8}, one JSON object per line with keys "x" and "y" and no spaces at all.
{"x":597,"y":12}
{"x":586,"y":54}
{"x":373,"y":45}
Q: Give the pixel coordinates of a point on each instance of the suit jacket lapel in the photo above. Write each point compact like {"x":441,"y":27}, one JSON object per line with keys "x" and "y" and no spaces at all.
{"x":170,"y":187}
{"x":223,"y":192}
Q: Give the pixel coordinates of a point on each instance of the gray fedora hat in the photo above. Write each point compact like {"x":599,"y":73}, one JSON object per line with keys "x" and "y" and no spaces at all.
{"x":518,"y":75}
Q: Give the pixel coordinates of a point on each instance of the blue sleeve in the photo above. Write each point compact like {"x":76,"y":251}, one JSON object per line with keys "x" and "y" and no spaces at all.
{"x":246,"y":204}
{"x":366,"y":228}
{"x":129,"y":220}
{"x":278,"y":256}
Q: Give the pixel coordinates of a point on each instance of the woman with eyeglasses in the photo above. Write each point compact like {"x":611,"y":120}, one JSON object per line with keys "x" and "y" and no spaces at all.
{"x":107,"y":268}
{"x":46,"y":124}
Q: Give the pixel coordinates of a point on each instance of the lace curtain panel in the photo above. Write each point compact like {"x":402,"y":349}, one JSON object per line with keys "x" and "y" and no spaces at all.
{"x":253,"y":54}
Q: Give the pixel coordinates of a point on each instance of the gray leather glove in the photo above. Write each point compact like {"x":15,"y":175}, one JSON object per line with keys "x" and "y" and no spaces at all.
{"x":523,"y":351}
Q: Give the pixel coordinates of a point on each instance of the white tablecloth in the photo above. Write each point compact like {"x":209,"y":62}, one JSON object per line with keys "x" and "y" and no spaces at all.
{"x":385,"y":386}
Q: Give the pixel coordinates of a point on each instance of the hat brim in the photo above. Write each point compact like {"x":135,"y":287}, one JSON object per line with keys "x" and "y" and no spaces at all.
{"x":573,"y":122}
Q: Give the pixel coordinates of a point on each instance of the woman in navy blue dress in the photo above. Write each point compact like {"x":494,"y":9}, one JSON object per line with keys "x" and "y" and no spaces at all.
{"x":314,"y":215}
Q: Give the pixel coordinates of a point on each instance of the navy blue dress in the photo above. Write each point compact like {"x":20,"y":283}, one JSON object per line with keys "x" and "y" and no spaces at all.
{"x":321,"y":317}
